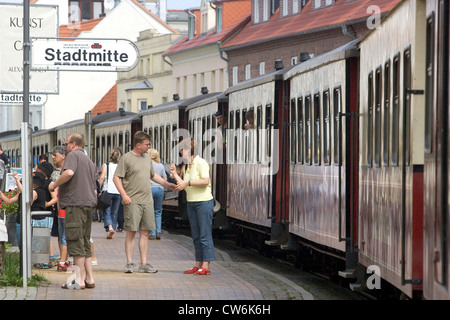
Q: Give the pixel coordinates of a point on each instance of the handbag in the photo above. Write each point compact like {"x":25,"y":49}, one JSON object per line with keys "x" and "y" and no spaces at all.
{"x":103,"y":197}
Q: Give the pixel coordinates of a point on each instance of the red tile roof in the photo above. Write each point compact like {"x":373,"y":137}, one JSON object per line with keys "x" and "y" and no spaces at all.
{"x":73,"y":30}
{"x":235,"y":13}
{"x":307,"y":20}
{"x":107,"y":103}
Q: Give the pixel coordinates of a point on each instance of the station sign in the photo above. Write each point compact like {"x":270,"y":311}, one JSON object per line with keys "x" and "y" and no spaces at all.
{"x":17,"y":99}
{"x":68,"y":54}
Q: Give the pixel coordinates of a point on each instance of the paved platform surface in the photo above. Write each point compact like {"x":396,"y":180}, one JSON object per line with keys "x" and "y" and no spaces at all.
{"x":170,"y":255}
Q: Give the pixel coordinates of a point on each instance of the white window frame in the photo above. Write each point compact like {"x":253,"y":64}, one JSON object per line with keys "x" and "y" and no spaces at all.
{"x":295,"y":6}
{"x":285,"y":8}
{"x":248,"y":71}
{"x":235,"y":75}
{"x":262,"y":68}
{"x":265,"y":10}
{"x":256,"y":11}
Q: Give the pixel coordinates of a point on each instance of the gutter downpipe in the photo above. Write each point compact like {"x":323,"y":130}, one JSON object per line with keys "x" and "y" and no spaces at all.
{"x":221,"y":51}
{"x":346,"y":32}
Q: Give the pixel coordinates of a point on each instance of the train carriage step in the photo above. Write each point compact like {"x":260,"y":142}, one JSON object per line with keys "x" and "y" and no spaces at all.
{"x":271,"y":242}
{"x":356,"y":287}
{"x":347,"y":274}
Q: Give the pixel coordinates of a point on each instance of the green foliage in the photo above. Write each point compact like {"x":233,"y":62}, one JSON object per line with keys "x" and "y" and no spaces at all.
{"x":9,"y":208}
{"x":10,"y":275}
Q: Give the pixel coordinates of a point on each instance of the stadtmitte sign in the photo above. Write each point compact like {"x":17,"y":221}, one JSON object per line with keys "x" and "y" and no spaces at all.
{"x":84,"y":54}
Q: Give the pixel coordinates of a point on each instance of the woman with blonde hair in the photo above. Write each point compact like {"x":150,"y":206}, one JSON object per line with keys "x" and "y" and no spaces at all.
{"x":158,"y":193}
{"x":106,"y":181}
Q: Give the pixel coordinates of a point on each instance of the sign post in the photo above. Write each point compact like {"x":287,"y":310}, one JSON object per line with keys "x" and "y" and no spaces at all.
{"x":25,"y":145}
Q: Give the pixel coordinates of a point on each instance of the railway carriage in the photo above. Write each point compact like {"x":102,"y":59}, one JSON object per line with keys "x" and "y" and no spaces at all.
{"x":392,"y":74}
{"x":321,"y":142}
{"x":117,"y":130}
{"x":11,"y":145}
{"x":42,"y":142}
{"x":256,"y":185}
{"x":436,"y":169}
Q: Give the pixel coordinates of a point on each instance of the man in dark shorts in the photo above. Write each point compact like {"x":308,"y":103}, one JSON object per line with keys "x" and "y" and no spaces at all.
{"x":77,"y":194}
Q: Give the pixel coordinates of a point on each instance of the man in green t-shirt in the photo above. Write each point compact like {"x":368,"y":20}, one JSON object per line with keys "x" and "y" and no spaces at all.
{"x":132,"y":179}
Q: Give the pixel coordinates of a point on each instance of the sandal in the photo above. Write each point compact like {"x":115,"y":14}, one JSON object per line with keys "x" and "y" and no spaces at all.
{"x":110,"y":234}
{"x":191,"y":271}
{"x":202,"y":272}
{"x":89,"y":285}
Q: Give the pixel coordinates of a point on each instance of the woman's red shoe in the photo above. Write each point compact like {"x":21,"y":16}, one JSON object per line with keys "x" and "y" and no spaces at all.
{"x":203,"y":272}
{"x":191,"y":271}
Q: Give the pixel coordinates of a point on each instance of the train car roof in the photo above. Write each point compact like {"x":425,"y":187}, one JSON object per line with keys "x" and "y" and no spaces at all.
{"x":214,"y":97}
{"x":110,"y":115}
{"x":70,"y":124}
{"x":126,"y":117}
{"x":179,"y":104}
{"x":348,"y":50}
{"x":268,"y":77}
{"x":43,"y":131}
{"x":9,"y":135}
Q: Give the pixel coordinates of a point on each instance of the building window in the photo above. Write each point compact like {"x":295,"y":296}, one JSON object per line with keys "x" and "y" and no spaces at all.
{"x":235,"y":75}
{"x":191,"y":26}
{"x":294,"y":61}
{"x":262,"y":68}
{"x":248,"y":73}
{"x":219,"y":19}
{"x":285,"y":8}
{"x":295,"y":6}
{"x":265,"y":10}
{"x":142,"y":103}
{"x":256,"y":11}
{"x":83,"y":10}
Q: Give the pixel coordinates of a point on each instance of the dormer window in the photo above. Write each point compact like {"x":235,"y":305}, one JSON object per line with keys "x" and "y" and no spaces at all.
{"x":322,"y":3}
{"x":265,"y":10}
{"x":219,"y":21}
{"x":274,"y":5}
{"x":256,"y":11}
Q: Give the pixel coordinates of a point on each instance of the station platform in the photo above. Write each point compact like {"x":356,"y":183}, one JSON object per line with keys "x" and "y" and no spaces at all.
{"x":171,"y":256}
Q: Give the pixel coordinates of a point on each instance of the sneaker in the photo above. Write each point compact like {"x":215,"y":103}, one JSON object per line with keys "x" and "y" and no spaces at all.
{"x":202,"y":272}
{"x":152,"y":237}
{"x":64,"y":267}
{"x":158,"y":236}
{"x":129,"y":267}
{"x":147,"y":268}
{"x":191,"y":271}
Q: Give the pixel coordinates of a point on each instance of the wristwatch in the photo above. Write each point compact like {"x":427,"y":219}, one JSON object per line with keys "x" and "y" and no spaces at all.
{"x":189,"y":183}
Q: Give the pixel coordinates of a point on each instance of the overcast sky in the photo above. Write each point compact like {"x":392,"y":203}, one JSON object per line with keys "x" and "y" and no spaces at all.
{"x":183,"y":4}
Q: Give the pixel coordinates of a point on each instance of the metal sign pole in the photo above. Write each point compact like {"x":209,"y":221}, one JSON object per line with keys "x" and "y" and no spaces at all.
{"x":25,"y":135}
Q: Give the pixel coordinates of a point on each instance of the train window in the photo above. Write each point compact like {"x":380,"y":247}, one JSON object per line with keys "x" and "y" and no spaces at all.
{"x":174,"y":155}
{"x":114,"y":142}
{"x":204,"y":130}
{"x":236,"y":135}
{"x":292,"y":126}
{"x":308,"y":131}
{"x":155,"y":136}
{"x":127,"y":142}
{"x":150,"y":133}
{"x":161,"y":144}
{"x":377,"y":111}
{"x":168,"y":145}
{"x":369,"y":119}
{"x":429,"y":85}
{"x":230,"y":149}
{"x":108,"y":147}
{"x":407,"y":106}
{"x":395,"y":108}
{"x":103,"y":149}
{"x":258,"y":133}
{"x":317,"y":128}
{"x":326,"y":128}
{"x":337,"y":107}
{"x":386,"y":112}
{"x":300,"y":130}
{"x":269,"y":125}
{"x":97,"y":150}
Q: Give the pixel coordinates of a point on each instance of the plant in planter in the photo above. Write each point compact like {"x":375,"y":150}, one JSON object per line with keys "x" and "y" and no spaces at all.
{"x":9,"y":208}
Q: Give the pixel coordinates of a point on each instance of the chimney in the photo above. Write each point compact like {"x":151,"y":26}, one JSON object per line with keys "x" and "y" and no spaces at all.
{"x":176,"y":97}
{"x":304,"y":56}
{"x":204,"y":90}
{"x":122,"y":112}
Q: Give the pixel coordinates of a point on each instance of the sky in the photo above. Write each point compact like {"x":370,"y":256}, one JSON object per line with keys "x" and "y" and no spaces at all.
{"x":183,"y":4}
